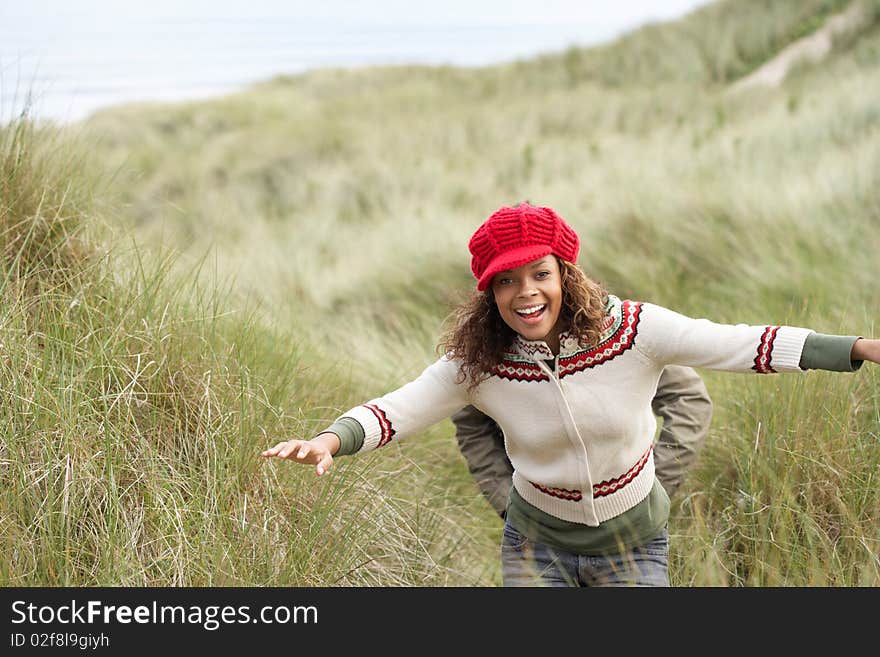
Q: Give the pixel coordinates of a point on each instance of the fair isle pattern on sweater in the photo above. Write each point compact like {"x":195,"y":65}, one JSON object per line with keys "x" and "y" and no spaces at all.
{"x":610,"y":347}
{"x":620,"y":329}
{"x":561,"y":493}
{"x":518,"y":368}
{"x":600,"y":489}
{"x":765,"y":351}
{"x":533,"y":349}
{"x":608,"y":487}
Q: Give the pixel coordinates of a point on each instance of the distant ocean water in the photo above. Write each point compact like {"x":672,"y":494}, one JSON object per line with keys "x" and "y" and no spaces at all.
{"x":69,"y":62}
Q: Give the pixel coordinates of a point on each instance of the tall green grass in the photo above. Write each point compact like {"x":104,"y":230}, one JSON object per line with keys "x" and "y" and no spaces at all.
{"x":319,"y":226}
{"x":135,"y":403}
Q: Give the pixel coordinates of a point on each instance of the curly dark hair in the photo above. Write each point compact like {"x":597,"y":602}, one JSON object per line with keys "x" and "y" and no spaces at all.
{"x":479,"y":336}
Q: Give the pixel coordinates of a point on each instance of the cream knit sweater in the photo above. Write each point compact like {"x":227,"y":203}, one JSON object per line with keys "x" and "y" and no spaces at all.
{"x":580,"y":434}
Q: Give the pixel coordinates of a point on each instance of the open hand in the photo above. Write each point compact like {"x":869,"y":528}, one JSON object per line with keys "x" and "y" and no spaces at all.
{"x":315,"y":452}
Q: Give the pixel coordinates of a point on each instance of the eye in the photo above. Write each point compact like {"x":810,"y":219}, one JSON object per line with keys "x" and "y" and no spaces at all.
{"x":504,"y":281}
{"x":542,"y":274}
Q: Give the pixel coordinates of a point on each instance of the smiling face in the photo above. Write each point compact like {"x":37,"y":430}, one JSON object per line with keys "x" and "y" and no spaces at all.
{"x":529,"y":299}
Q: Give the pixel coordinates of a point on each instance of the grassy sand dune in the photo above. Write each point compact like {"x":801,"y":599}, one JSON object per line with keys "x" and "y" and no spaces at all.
{"x":295,"y":248}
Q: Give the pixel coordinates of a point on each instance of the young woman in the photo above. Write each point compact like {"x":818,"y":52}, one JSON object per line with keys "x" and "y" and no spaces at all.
{"x":568,"y":371}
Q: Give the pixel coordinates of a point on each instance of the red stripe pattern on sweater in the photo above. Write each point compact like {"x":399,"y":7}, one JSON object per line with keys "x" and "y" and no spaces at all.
{"x":765,"y":351}
{"x":517,"y":371}
{"x":614,"y":485}
{"x":622,"y":340}
{"x":601,"y":489}
{"x":387,"y":430}
{"x":563,"y":493}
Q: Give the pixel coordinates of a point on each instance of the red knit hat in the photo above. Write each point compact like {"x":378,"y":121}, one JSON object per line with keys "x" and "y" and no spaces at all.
{"x":514,"y":236}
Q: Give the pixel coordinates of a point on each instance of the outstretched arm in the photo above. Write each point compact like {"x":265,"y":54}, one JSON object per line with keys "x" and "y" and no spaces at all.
{"x":410,"y":409}
{"x":672,"y":338}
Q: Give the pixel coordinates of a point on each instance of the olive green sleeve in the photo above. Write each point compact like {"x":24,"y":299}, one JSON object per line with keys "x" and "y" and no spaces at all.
{"x":684,"y":404}
{"x":482,"y":445}
{"x":829,"y":352}
{"x":351,"y":435}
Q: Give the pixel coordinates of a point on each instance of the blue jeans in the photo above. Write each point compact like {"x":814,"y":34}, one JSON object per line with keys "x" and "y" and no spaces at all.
{"x":527,"y":563}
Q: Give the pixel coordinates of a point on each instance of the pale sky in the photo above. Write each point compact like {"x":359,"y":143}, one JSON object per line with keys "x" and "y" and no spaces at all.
{"x":66,"y":58}
{"x":447,"y":11}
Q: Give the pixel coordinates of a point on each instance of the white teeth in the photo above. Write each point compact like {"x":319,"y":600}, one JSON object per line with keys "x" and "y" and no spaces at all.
{"x":530,"y":309}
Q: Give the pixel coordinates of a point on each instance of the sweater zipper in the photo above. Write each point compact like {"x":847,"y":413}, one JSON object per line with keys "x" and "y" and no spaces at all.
{"x":588,"y":481}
